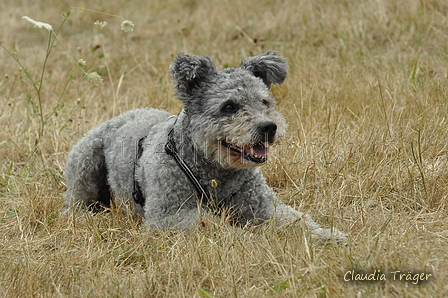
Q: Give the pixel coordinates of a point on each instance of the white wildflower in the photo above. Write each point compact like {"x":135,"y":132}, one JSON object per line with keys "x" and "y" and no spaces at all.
{"x":100,"y":25}
{"x":127,"y":26}
{"x":94,"y":79}
{"x":82,"y":62}
{"x":39,"y":25}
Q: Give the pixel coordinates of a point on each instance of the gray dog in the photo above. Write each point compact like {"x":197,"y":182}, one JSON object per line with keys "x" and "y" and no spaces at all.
{"x":169,"y":168}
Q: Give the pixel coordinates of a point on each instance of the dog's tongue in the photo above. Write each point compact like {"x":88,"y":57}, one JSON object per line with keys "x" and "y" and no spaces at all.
{"x":258,"y":149}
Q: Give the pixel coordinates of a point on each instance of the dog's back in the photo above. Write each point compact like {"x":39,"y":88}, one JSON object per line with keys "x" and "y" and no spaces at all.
{"x":87,"y":172}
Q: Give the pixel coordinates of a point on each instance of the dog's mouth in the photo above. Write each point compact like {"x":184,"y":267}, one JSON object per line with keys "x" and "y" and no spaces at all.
{"x":257,"y":153}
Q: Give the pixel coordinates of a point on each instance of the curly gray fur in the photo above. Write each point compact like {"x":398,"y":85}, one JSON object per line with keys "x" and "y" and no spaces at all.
{"x":223,"y":133}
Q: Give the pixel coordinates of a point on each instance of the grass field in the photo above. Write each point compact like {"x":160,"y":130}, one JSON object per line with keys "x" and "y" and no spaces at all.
{"x":366,"y":100}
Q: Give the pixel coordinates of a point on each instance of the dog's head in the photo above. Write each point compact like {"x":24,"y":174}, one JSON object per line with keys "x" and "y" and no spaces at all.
{"x":232,"y":112}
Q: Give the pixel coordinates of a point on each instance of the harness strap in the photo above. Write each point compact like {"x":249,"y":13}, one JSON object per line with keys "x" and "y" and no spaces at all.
{"x":137,"y":193}
{"x":170,"y":149}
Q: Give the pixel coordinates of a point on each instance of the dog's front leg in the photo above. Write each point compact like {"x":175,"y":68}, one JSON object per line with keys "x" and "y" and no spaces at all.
{"x":285,"y":214}
{"x":181,"y":219}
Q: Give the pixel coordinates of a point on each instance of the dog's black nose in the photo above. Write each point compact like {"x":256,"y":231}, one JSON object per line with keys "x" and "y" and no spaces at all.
{"x":267,"y":131}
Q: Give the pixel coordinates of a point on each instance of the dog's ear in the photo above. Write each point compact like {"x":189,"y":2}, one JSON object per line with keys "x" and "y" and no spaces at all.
{"x":270,"y":67}
{"x":188,"y":72}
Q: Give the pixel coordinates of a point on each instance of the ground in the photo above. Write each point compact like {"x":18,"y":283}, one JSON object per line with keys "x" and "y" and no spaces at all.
{"x":366,"y":151}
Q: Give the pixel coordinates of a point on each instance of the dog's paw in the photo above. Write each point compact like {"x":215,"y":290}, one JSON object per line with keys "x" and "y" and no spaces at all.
{"x":329,"y":234}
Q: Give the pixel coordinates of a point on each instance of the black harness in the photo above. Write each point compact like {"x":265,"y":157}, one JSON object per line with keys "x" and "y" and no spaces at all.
{"x":137,"y":193}
{"x":170,"y":149}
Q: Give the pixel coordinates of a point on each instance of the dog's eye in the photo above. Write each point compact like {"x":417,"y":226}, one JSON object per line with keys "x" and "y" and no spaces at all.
{"x":265,"y":102}
{"x":230,"y":107}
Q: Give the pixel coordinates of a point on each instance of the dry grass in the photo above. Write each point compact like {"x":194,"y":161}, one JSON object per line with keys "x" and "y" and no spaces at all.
{"x":366,"y":100}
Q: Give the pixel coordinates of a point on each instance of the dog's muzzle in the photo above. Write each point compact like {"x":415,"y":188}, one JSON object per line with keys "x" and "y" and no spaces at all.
{"x":258,"y":152}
